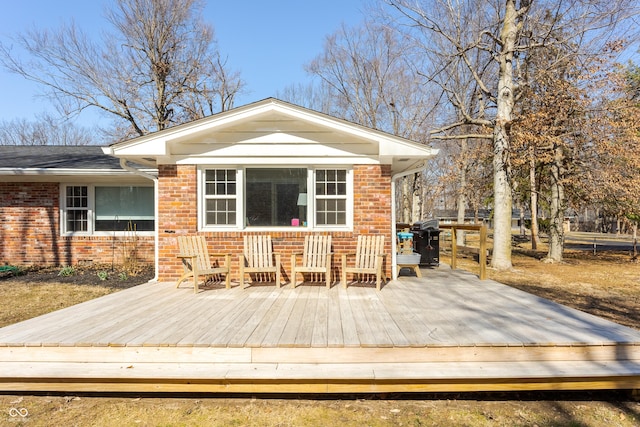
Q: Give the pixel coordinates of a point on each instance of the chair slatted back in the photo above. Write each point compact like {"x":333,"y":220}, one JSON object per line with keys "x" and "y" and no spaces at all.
{"x":369,"y":246}
{"x":258,"y":251}
{"x":195,"y":245}
{"x":317,"y":250}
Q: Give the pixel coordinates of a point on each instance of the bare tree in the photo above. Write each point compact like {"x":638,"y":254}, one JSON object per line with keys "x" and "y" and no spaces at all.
{"x":45,"y":130}
{"x":366,"y":74}
{"x":160,"y":66}
{"x":501,"y":33}
{"x":313,"y":96}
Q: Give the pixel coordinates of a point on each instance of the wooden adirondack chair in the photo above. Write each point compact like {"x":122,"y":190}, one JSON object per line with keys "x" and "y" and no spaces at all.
{"x":316,"y":258}
{"x":259,"y":259}
{"x":369,"y":259}
{"x":197,"y":262}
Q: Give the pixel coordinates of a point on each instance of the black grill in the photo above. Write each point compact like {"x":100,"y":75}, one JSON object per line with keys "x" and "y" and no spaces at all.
{"x":426,"y":242}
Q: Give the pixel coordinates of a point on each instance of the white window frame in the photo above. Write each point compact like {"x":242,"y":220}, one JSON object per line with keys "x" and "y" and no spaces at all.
{"x":240,"y":199}
{"x":91,"y":216}
{"x":345,"y":197}
{"x":202,"y":198}
{"x":64,"y":209}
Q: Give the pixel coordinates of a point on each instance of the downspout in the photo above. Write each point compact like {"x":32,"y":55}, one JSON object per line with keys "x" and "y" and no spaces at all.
{"x":156,"y":261}
{"x":394,"y":249}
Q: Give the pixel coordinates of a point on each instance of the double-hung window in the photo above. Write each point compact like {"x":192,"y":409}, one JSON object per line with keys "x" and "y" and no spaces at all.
{"x":76,"y":208}
{"x":331,"y":197}
{"x":95,"y":209}
{"x":220,"y":197}
{"x":251,"y":197}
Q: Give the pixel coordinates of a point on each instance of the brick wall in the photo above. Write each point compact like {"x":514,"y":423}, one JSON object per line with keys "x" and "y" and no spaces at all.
{"x":30,"y":231}
{"x":177,"y":186}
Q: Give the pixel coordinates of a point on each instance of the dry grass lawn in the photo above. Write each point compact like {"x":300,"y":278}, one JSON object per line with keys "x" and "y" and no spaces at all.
{"x":607,"y":284}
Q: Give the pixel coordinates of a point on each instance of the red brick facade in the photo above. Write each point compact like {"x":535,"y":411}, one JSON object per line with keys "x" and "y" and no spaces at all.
{"x":177,"y":187}
{"x":30,"y":231}
{"x":31,"y":224}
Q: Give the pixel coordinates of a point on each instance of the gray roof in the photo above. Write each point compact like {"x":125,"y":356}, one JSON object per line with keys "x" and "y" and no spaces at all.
{"x":56,"y":157}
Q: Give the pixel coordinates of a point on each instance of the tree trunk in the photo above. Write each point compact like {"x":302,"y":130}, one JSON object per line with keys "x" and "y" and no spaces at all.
{"x":462,"y":185}
{"x":416,"y":200}
{"x":406,"y":200}
{"x":535,"y":237}
{"x":523,"y":229}
{"x":501,"y":259}
{"x":556,"y":230}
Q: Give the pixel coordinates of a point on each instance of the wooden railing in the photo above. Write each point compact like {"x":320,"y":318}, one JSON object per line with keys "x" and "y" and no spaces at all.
{"x":482,"y":250}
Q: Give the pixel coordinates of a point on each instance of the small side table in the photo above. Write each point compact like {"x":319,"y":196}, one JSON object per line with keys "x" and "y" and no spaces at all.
{"x":415,"y":268}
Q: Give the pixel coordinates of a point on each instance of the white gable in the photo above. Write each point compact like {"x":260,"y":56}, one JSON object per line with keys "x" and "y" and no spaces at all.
{"x":273,"y":132}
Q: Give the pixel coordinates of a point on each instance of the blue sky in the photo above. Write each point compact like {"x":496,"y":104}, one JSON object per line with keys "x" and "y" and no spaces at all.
{"x":267,"y":41}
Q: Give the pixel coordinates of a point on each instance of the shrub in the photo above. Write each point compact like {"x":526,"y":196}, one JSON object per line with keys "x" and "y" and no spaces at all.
{"x":67,"y":271}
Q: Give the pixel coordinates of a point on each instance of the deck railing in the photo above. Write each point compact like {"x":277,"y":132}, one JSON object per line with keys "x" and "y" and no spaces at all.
{"x":482,"y":250}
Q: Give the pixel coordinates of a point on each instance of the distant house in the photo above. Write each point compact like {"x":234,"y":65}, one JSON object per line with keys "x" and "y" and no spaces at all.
{"x":268,"y":167}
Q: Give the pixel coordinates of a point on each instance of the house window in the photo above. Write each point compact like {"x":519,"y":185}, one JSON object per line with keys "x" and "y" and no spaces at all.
{"x":331,"y":197}
{"x":220,"y":196}
{"x":95,"y":209}
{"x":77,"y":208}
{"x":272,"y":196}
{"x":124,"y":208}
{"x":276,"y":197}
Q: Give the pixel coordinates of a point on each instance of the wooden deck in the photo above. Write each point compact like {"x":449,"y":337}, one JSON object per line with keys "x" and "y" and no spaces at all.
{"x":444,"y":332}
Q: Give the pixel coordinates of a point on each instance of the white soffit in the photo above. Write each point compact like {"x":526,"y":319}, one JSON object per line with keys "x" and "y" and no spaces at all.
{"x":272,"y":128}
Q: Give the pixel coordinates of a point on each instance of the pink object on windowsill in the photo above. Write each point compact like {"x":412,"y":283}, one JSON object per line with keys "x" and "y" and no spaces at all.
{"x":295,"y":222}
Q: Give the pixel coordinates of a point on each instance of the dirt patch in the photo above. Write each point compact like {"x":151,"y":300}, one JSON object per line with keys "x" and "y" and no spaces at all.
{"x":305,"y":411}
{"x":100,"y":275}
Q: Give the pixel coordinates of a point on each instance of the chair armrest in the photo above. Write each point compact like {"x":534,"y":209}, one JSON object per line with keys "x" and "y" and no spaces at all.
{"x":220,"y":254}
{"x":226,"y":256}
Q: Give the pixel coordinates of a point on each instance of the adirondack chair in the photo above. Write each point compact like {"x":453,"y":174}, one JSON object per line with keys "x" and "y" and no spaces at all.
{"x":316,"y":258}
{"x":197,"y":262}
{"x":258,"y":259}
{"x":369,"y":258}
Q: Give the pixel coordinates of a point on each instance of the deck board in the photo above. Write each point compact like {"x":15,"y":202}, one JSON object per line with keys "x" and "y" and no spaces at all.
{"x":429,"y":320}
{"x":349,"y":330}
{"x":304,"y":331}
{"x":278,"y":323}
{"x":335,"y":336}
{"x":251,"y":319}
{"x":297,"y":313}
{"x":445,"y":331}
{"x":364,"y":330}
{"x":320,"y":324}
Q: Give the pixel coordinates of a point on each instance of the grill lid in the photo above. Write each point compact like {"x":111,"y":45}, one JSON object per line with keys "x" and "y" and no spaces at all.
{"x":431,"y":224}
